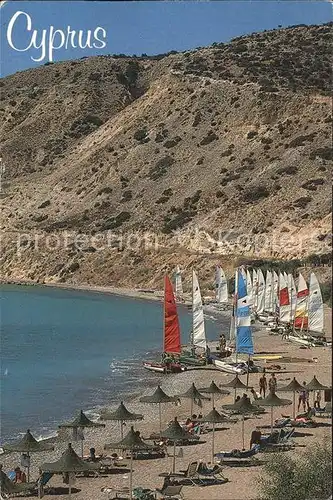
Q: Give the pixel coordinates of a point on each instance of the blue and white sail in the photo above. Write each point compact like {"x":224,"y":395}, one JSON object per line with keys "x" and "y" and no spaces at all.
{"x":244,"y":342}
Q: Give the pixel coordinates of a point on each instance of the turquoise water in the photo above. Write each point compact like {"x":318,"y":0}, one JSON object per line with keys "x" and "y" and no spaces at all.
{"x":63,"y":350}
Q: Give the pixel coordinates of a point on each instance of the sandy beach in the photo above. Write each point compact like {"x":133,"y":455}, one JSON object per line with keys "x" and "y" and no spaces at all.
{"x":241,"y":484}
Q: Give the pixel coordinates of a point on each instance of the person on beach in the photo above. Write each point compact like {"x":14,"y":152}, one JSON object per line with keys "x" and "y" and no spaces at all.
{"x":255,"y":437}
{"x":92,"y":455}
{"x":237,"y":399}
{"x":20,"y":476}
{"x":317,"y":400}
{"x":255,"y":394}
{"x":272,"y":384}
{"x":262,"y":385}
{"x":303,"y":399}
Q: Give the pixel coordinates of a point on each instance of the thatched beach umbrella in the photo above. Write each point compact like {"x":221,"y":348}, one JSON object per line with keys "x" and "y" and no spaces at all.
{"x":272,"y":400}
{"x":80,"y":422}
{"x":214,"y":417}
{"x":158,"y":397}
{"x":194,"y":395}
{"x":293,"y":387}
{"x":122,"y":415}
{"x":244,"y":407}
{"x":175,"y":432}
{"x":28,"y":444}
{"x":235,"y":383}
{"x":315,"y":385}
{"x":69,"y":463}
{"x":132,"y":442}
{"x":214,"y":391}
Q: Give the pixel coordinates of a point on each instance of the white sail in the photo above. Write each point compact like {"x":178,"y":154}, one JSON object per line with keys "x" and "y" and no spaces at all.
{"x":268,"y":292}
{"x":301,"y":310}
{"x":198,"y":332}
{"x":178,"y":284}
{"x":316,"y":306}
{"x":249,"y":287}
{"x":292,"y":296}
{"x":261,"y":293}
{"x":221,"y":286}
{"x":275,"y":291}
{"x":284,"y":300}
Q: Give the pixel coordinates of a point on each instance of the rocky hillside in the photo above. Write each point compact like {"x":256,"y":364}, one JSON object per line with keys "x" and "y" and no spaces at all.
{"x":221,"y":152}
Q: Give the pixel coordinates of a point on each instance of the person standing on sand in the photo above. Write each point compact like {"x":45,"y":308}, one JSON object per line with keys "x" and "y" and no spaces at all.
{"x":262,"y":385}
{"x":317,"y":400}
{"x":272,"y":384}
{"x":303,"y":398}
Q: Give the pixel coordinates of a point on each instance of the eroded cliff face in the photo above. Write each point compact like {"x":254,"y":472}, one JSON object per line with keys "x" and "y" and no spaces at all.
{"x":188,"y":159}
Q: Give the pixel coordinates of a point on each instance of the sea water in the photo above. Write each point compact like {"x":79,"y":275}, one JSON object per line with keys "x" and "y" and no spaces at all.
{"x":63,"y":350}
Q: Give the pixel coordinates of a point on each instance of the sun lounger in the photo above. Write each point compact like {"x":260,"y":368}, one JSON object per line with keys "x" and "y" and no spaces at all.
{"x":214,"y":473}
{"x":190,"y":474}
{"x":324,"y":412}
{"x":171,"y":491}
{"x":238,"y":453}
{"x":113,"y":493}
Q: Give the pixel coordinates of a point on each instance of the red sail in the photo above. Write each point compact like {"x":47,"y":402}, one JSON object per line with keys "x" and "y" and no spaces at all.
{"x":284,"y":297}
{"x":301,"y":322}
{"x":171,"y":323}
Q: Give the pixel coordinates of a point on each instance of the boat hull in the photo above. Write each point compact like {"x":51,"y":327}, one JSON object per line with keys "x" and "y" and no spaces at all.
{"x":162,"y":368}
{"x":228,"y":368}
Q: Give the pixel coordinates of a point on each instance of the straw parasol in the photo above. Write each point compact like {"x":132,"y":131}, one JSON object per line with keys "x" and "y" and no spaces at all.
{"x":272,"y":400}
{"x":194,"y":395}
{"x":69,"y":463}
{"x":175,"y":432}
{"x":122,"y":415}
{"x":80,"y":422}
{"x":235,"y":383}
{"x":28,"y":444}
{"x":158,"y":397}
{"x":294,"y":386}
{"x":214,"y":417}
{"x":244,"y":407}
{"x":132,"y":442}
{"x":214,"y":390}
{"x":315,"y":385}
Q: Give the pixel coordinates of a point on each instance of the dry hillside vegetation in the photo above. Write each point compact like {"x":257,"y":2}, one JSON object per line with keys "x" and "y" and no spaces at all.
{"x":230,"y":138}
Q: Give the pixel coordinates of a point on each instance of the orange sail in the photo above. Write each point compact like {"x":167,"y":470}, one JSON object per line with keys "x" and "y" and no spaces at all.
{"x":171,"y":323}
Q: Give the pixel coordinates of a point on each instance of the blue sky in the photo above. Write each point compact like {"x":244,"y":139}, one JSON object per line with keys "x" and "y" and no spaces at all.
{"x":145,"y":27}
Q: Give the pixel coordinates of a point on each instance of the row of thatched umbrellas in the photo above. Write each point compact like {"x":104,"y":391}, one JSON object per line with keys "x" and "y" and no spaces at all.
{"x":70,"y":462}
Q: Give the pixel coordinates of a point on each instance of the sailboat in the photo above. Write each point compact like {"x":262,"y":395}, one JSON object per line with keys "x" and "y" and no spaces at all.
{"x":309,"y":315}
{"x":198,"y":333}
{"x":171,"y":336}
{"x":179,"y":294}
{"x":221,"y":287}
{"x":243,"y":329}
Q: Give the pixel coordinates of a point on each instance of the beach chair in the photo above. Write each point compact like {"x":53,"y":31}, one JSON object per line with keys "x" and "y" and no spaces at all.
{"x":214,"y":473}
{"x":325,"y":412}
{"x":172,"y":491}
{"x":188,"y":476}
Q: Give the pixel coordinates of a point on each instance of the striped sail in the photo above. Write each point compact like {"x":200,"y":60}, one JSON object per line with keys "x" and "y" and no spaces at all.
{"x":284,"y":302}
{"x":316,"y":306}
{"x":232,"y":332}
{"x":301,"y":312}
{"x":221,"y":286}
{"x":198,"y":331}
{"x":244,"y":342}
